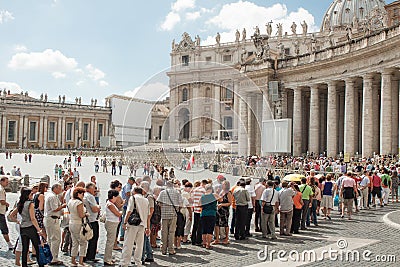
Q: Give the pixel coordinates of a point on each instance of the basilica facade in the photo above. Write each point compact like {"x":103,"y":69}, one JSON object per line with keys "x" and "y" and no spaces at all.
{"x":338,"y":88}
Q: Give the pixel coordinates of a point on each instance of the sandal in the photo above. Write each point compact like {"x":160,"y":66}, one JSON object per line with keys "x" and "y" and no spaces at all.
{"x":225,"y":242}
{"x":215,"y":242}
{"x":209,"y":247}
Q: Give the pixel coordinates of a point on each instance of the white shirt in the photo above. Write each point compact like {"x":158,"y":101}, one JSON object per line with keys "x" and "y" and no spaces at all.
{"x":110,"y":216}
{"x":3,"y":208}
{"x":142,"y":206}
{"x":252,"y":194}
{"x":267,"y":195}
{"x":51,"y":203}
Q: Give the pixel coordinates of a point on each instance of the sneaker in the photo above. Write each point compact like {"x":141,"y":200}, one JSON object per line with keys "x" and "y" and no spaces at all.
{"x":149,"y":260}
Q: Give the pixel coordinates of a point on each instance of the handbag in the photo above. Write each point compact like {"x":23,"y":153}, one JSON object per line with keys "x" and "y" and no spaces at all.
{"x":45,"y":256}
{"x":86,"y":230}
{"x":134,"y":219}
{"x":267,"y":208}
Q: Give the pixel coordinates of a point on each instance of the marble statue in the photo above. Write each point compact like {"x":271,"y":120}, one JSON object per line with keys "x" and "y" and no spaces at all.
{"x":294,"y":28}
{"x":269,"y":28}
{"x":257,"y":31}
{"x":218,"y":38}
{"x":197,"y":39}
{"x":244,"y":34}
{"x":45,"y":98}
{"x":305,"y":27}
{"x":280,"y":30}
{"x":237,"y":35}
{"x":354,"y":23}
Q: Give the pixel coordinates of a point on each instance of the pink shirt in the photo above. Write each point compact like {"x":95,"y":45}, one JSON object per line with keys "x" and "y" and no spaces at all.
{"x":259,"y":189}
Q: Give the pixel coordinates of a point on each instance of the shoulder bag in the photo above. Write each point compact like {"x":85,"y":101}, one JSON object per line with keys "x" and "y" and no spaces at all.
{"x":268,"y":208}
{"x":180,"y":218}
{"x":134,"y":218}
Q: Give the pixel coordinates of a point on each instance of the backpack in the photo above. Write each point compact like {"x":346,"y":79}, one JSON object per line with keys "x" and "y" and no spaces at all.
{"x":156,"y":216}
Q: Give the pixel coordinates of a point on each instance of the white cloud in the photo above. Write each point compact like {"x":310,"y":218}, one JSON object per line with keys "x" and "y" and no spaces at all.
{"x":5,"y":16}
{"x":48,"y":60}
{"x":94,"y":73}
{"x":58,"y":75}
{"x":103,"y":84}
{"x":153,"y":91}
{"x":10,"y":86}
{"x":20,"y":48}
{"x":80,"y":83}
{"x":181,"y":5}
{"x":193,"y":15}
{"x":232,"y":17}
{"x":170,"y":21}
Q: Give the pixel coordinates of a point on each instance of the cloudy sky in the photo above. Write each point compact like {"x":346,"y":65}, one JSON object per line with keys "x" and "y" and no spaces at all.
{"x":95,"y":48}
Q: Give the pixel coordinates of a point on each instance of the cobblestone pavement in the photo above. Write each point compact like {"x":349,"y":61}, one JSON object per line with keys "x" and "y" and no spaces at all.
{"x":367,"y":225}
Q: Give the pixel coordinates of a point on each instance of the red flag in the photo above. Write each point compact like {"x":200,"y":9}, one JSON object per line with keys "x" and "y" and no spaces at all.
{"x":190,"y":163}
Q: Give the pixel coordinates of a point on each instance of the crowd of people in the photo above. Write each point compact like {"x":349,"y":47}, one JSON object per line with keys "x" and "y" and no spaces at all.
{"x":159,"y":211}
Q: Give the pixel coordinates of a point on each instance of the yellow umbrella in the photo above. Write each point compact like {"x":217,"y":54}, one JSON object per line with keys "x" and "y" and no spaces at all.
{"x":294,"y":177}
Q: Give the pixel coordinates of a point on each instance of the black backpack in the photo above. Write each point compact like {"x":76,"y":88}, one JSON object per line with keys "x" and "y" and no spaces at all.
{"x":156,"y":216}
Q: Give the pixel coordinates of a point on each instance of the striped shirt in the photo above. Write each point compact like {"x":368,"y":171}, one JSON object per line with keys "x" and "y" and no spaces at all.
{"x":196,"y":196}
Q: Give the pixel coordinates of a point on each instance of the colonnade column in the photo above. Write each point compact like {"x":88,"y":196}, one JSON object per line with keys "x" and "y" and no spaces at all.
{"x":63,"y":133}
{"x":217,"y":108}
{"x":243,"y":138}
{"x":367,"y":119}
{"x":95,"y":134}
{"x":26,"y":127}
{"x":332,"y":125}
{"x":297,"y":121}
{"x":21,"y":131}
{"x":349,"y":120}
{"x":386,"y":113}
{"x":59,"y":131}
{"x":195,"y":125}
{"x":313,"y":141}
{"x":40,"y":131}
{"x":171,"y":116}
{"x":4,"y":131}
{"x":395,"y":116}
{"x":45,"y":130}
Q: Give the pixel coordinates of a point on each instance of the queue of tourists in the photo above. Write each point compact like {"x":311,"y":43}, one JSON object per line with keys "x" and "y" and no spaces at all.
{"x":143,"y":213}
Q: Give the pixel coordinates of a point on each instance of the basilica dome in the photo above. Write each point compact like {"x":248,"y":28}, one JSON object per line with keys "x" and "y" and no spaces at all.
{"x":344,"y":13}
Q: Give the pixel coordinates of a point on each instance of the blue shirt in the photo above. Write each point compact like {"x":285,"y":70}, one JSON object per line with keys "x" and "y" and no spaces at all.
{"x":127,"y":188}
{"x":209,"y":205}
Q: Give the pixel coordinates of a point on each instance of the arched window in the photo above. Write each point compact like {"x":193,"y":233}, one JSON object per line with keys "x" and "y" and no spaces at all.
{"x":184,"y":94}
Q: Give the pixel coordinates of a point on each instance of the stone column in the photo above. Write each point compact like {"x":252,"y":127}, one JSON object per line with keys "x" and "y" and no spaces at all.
{"x":91,"y":142}
{"x":236,"y":117}
{"x":21,"y":131}
{"x":250,"y":124}
{"x":4,"y":131}
{"x":243,"y":136}
{"x":367,"y":119}
{"x":386,"y":113}
{"x":395,"y":116}
{"x":45,"y":131}
{"x":40,"y":132}
{"x":217,"y":109}
{"x":194,"y":118}
{"x":349,"y":120}
{"x":171,"y":117}
{"x":95,"y":133}
{"x":313,"y":139}
{"x":63,"y":133}
{"x":59,"y":133}
{"x":26,"y":127}
{"x":297,"y":121}
{"x":376,"y":115}
{"x":332,"y":125}
{"x":80,"y":132}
